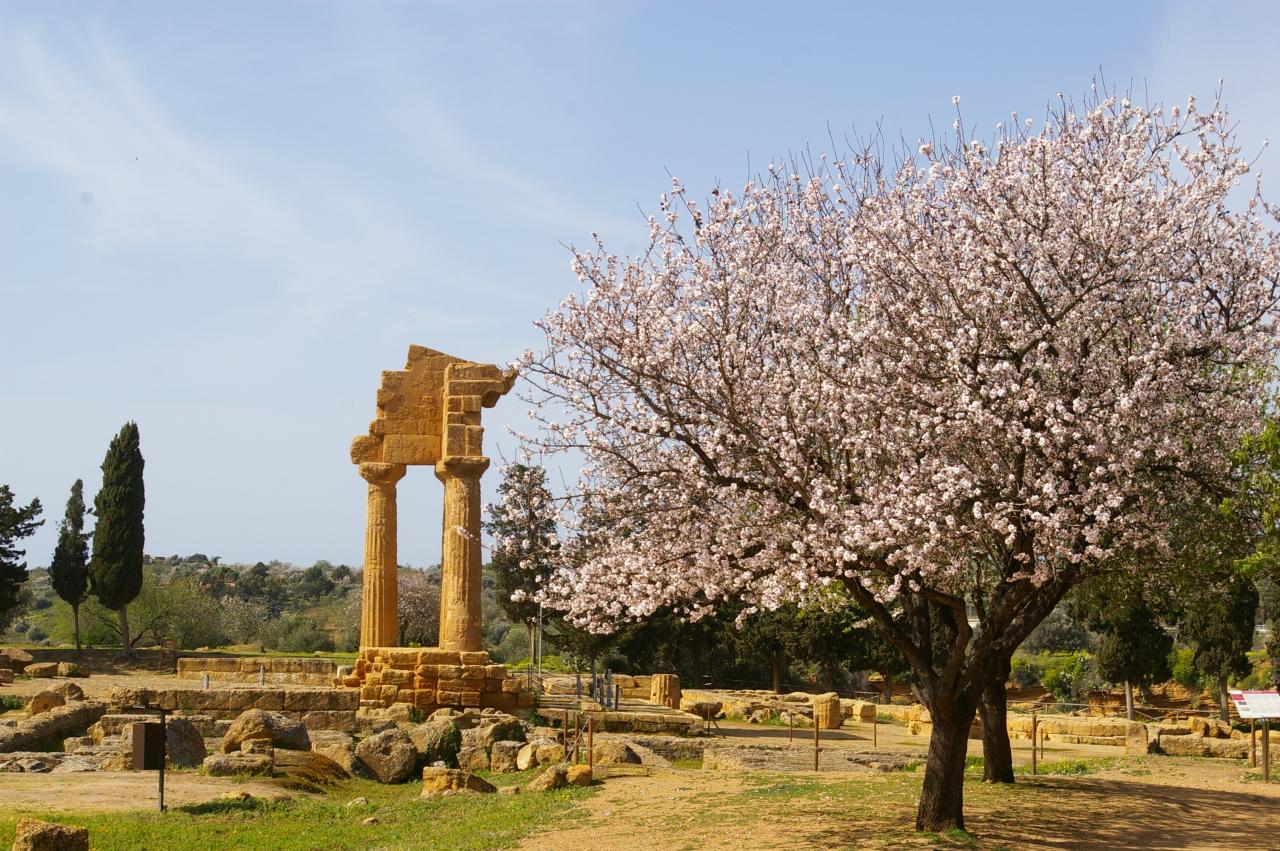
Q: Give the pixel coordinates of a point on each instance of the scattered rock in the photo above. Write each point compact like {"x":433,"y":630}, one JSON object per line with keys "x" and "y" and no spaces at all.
{"x":6,"y":676}
{"x":184,"y":746}
{"x":72,"y":766}
{"x":241,"y":796}
{"x":69,"y":691}
{"x":509,"y":790}
{"x":578,"y":775}
{"x":473,"y":759}
{"x":495,"y":728}
{"x":231,"y":764}
{"x":370,"y":821}
{"x":527,"y":757}
{"x":362,"y":801}
{"x":280,"y":729}
{"x":439,"y":781}
{"x":503,"y":756}
{"x":43,"y":701}
{"x":614,"y":752}
{"x":550,"y":753}
{"x":71,"y":669}
{"x":337,"y":746}
{"x":389,"y":756}
{"x":13,"y":659}
{"x":72,"y":744}
{"x":41,"y":669}
{"x":35,"y":835}
{"x":306,"y":771}
{"x":438,"y":740}
{"x":555,"y":777}
{"x":828,"y":714}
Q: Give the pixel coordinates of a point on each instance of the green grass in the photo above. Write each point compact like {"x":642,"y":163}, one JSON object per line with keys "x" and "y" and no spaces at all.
{"x":1056,"y":768}
{"x":687,"y":762}
{"x":404,"y":820}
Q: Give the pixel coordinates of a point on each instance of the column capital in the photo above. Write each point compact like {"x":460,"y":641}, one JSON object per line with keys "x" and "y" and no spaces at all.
{"x":380,"y":473}
{"x":461,"y":467}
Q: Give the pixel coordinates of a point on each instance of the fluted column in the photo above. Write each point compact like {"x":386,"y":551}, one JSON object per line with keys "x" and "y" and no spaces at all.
{"x":460,"y":558}
{"x":379,"y":625}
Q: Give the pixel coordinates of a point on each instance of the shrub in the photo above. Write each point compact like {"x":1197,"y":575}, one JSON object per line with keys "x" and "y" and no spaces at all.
{"x":1070,"y":678}
{"x":1026,"y":671}
{"x":1184,"y":671}
{"x":297,"y":635}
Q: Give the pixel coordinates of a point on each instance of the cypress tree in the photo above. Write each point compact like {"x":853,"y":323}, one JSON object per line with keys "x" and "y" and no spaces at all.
{"x":115,"y":573}
{"x":69,"y":567}
{"x":16,"y":523}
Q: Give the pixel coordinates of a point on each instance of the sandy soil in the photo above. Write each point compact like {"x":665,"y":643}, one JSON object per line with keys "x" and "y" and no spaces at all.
{"x":118,"y":790}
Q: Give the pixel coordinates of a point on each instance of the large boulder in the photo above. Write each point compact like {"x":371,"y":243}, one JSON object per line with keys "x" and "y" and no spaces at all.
{"x":438,"y":740}
{"x":555,"y":777}
{"x":41,"y":669}
{"x":231,"y":764}
{"x":283,"y":731}
{"x":337,"y":746}
{"x":6,"y":676}
{"x":527,"y":757}
{"x":71,"y":669}
{"x":502,"y":757}
{"x":443,"y":781}
{"x":828,"y":714}
{"x":43,"y":701}
{"x":493,"y":728}
{"x":306,"y":771}
{"x":389,"y":756}
{"x":578,"y":775}
{"x":69,"y":691}
{"x":473,"y":759}
{"x":13,"y":659}
{"x":33,"y":835}
{"x":614,"y":752}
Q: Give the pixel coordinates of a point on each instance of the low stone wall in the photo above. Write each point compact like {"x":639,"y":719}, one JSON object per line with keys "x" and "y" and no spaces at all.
{"x":306,"y":672}
{"x":430,"y":678}
{"x":53,"y":724}
{"x":318,"y":709}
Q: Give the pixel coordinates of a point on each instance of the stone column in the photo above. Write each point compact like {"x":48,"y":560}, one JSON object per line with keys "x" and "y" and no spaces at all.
{"x":664,"y":689}
{"x":379,"y":625}
{"x":460,"y":558}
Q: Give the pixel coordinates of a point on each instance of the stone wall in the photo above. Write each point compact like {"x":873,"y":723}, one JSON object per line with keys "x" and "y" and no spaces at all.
{"x":318,"y":709}
{"x":306,"y":672}
{"x":52,"y":724}
{"x":430,"y":678}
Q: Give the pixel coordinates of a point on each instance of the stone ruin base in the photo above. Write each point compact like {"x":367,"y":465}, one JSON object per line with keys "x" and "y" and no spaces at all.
{"x":429,"y":678}
{"x":317,"y":709}
{"x":280,"y":671}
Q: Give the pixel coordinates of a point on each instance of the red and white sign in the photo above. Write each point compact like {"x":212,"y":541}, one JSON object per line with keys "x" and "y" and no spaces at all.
{"x":1256,"y":704}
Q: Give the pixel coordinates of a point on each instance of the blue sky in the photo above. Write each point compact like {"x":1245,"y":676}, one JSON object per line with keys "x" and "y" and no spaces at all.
{"x":223,"y":220}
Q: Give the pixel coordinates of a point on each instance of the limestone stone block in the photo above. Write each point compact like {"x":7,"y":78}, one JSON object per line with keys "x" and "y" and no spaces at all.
{"x":495,"y":672}
{"x":614,"y":752}
{"x":555,"y":777}
{"x":71,"y":669}
{"x":550,"y":753}
{"x":43,"y":701}
{"x":499,"y":700}
{"x":387,"y":694}
{"x":578,"y":775}
{"x":828,"y":714}
{"x":389,"y":756}
{"x":437,"y":656}
{"x":41,"y":669}
{"x":230,"y":764}
{"x":512,"y":685}
{"x":664,"y":689}
{"x":337,"y":746}
{"x":404,"y":659}
{"x":438,"y":781}
{"x":527,"y":757}
{"x":473,"y":657}
{"x":526,"y":699}
{"x":6,"y":676}
{"x":859,"y":710}
{"x":452,"y":685}
{"x":257,"y":746}
{"x":473,"y":759}
{"x":446,"y":697}
{"x":470,"y":698}
{"x":281,"y":730}
{"x":34,"y":835}
{"x":15,"y":659}
{"x":449,"y":672}
{"x":473,"y":674}
{"x":1136,"y":740}
{"x":502,"y":756}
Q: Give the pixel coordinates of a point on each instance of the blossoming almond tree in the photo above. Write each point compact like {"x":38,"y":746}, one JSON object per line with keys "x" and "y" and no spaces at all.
{"x":956,"y":386}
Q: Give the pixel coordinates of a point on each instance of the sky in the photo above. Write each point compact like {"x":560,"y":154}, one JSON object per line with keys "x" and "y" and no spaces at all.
{"x":224,"y":220}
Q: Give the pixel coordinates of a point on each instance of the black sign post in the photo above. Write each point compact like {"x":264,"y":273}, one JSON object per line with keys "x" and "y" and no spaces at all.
{"x":150,"y":745}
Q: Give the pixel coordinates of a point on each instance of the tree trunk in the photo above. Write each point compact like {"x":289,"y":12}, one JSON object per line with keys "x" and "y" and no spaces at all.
{"x":125,"y":644}
{"x":75,"y":621}
{"x":1224,"y":705}
{"x":997,"y":753}
{"x":1128,"y":700}
{"x":532,"y":626}
{"x":775,"y":665}
{"x":942,"y":795}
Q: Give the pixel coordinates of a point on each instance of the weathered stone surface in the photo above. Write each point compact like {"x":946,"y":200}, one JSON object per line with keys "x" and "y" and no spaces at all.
{"x":828,"y":714}
{"x":258,"y":746}
{"x":473,"y":759}
{"x":281,"y":730}
{"x":550,"y":753}
{"x":555,"y":777}
{"x":337,"y":746}
{"x":438,"y":740}
{"x":229,"y":764}
{"x":1201,"y":746}
{"x":502,"y":757}
{"x":71,"y":669}
{"x":859,"y":710}
{"x":51,"y":725}
{"x":43,"y":701}
{"x":578,"y":775}
{"x":41,"y":669}
{"x":6,"y":676}
{"x":1136,"y":740}
{"x":14,"y":659}
{"x":664,"y":690}
{"x":1211,"y":728}
{"x":307,"y":770}
{"x":389,"y":756}
{"x":440,"y":781}
{"x":614,"y":752}
{"x":527,"y":757}
{"x":69,"y":691}
{"x":493,"y":728}
{"x":33,"y":835}
{"x":72,"y":744}
{"x":184,"y":746}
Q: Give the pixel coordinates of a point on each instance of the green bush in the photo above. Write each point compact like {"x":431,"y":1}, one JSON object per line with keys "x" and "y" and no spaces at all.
{"x":1070,"y":677}
{"x":1183,"y":666}
{"x":297,"y":635}
{"x":1026,"y":671}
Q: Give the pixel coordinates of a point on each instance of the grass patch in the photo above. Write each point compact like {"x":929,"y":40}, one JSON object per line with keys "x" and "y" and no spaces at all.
{"x":1071,"y":767}
{"x":689,"y":762}
{"x":404,"y":820}
{"x":9,"y":702}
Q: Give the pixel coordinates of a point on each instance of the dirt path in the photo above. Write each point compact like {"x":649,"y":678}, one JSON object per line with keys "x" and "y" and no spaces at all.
{"x":116,"y":790}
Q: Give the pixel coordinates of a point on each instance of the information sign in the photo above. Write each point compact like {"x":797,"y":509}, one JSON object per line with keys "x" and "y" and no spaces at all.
{"x":1256,"y":704}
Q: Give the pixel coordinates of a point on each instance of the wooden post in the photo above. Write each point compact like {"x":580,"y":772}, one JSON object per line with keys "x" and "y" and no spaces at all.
{"x":1253,"y":743}
{"x":816,"y":728}
{"x":591,"y":740}
{"x":1266,"y":749}
{"x":1035,"y":722}
{"x":875,"y":730}
{"x":791,"y":731}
